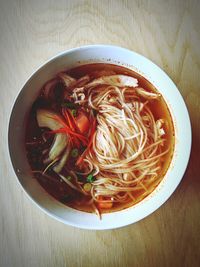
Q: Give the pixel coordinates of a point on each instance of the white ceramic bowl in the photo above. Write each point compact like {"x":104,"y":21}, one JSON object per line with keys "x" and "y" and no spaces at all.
{"x":118,"y":56}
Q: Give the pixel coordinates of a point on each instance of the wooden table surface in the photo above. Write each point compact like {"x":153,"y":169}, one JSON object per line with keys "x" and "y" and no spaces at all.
{"x":167,"y":32}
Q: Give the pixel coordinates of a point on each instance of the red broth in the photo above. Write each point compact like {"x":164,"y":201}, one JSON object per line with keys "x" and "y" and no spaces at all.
{"x":36,"y":146}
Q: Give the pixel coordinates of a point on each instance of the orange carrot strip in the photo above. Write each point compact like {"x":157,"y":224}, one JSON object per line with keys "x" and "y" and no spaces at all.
{"x":80,"y":159}
{"x":69,"y":131}
{"x":66,"y":116}
{"x":104,"y":205}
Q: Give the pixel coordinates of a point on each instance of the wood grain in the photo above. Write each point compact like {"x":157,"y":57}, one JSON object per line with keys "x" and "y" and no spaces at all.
{"x":167,"y":32}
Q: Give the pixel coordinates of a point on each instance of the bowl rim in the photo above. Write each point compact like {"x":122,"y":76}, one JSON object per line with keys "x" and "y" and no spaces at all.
{"x":187,"y":125}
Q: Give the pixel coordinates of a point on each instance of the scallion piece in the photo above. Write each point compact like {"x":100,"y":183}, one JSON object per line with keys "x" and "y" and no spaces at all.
{"x":90,"y":178}
{"x":69,"y":177}
{"x":74,"y":112}
{"x":87,"y":187}
{"x":74,"y":153}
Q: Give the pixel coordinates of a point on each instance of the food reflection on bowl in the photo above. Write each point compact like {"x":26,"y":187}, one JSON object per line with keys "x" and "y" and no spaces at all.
{"x":98,"y":142}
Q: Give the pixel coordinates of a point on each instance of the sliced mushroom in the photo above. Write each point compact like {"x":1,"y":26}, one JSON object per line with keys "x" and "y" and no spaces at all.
{"x":67,"y":80}
{"x":49,"y":86}
{"x":82,"y":81}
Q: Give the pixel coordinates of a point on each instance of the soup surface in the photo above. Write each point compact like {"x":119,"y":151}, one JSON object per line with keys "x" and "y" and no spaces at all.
{"x":99,"y":138}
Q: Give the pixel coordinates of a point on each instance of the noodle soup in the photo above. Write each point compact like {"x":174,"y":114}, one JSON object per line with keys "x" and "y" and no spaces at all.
{"x":99,"y":138}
